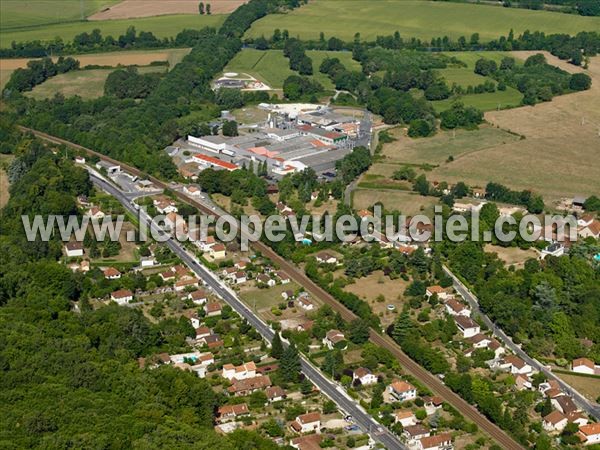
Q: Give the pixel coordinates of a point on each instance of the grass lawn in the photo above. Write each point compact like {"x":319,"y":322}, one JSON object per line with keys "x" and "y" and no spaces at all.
{"x":462,"y":76}
{"x":273,"y":68}
{"x":488,"y":101}
{"x":265,"y":298}
{"x":161,"y":26}
{"x":416,"y":18}
{"x":30,"y":13}
{"x":436,"y":150}
{"x":589,"y":387}
{"x":408,"y":203}
{"x":85,"y":83}
{"x":511,"y":255}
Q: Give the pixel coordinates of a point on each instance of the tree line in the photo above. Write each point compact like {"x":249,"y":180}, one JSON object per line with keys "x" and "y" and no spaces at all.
{"x":38,"y":71}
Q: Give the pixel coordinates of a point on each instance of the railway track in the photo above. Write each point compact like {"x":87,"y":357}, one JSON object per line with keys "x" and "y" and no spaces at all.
{"x":410,"y":366}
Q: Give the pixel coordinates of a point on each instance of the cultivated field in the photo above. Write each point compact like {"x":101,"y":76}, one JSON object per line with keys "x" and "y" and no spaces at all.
{"x":113,"y":59}
{"x":85,"y":83}
{"x":416,"y":18}
{"x":31,"y":13}
{"x":558,"y":158}
{"x":271,"y":67}
{"x":162,"y":26}
{"x":130,"y":9}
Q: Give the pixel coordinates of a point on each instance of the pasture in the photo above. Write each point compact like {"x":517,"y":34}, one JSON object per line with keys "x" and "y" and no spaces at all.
{"x":33,"y":13}
{"x":487,"y":101}
{"x":556,"y":158}
{"x":271,"y":67}
{"x":87,"y":84}
{"x":132,"y":9}
{"x":161,"y":26}
{"x":416,"y":18}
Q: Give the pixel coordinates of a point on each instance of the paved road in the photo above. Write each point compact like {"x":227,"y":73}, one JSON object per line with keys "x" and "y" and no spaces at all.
{"x":329,"y":388}
{"x":591,"y":408}
{"x":433,"y":383}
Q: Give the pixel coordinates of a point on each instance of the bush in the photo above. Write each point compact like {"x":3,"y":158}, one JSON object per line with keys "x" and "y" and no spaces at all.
{"x":580,"y":82}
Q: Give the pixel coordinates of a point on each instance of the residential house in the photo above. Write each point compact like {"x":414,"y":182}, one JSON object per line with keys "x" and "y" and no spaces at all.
{"x":239,"y":277}
{"x":288,"y":295}
{"x":193,"y":317}
{"x":364,"y":375}
{"x":249,"y":385}
{"x":550,"y":384}
{"x":266,"y":280}
{"x":555,"y":421}
{"x":467,"y":326}
{"x":95,"y":213}
{"x":308,"y":442}
{"x":203,"y":332}
{"x":480,"y":341}
{"x":212,"y":309}
{"x":456,"y":308}
{"x":185,"y":283}
{"x":591,"y":230}
{"x":194,"y":191}
{"x":213,"y":341}
{"x":275,"y":394}
{"x":585,"y":365}
{"x":577,"y":417}
{"x":111,"y":273}
{"x":74,"y":249}
{"x":441,"y":441}
{"x":232,"y":412}
{"x":122,"y":296}
{"x":79,"y":160}
{"x":432,"y":404}
{"x":246,"y":370}
{"x":334,"y":338}
{"x":517,"y":365}
{"x":522,"y":382}
{"x":165,"y":206}
{"x":84,"y":266}
{"x":405,"y":417}
{"x":306,"y":423}
{"x":305,"y":326}
{"x":305,"y":303}
{"x":413,"y":433}
{"x":206,"y":243}
{"x":564,"y":404}
{"x":199,"y":296}
{"x":589,"y":434}
{"x":326,"y":258}
{"x":167,"y":275}
{"x":147,"y":261}
{"x":240,"y":265}
{"x":217,"y":251}
{"x":402,"y":391}
{"x":496,"y":348}
{"x":283,"y":277}
{"x":440,"y":291}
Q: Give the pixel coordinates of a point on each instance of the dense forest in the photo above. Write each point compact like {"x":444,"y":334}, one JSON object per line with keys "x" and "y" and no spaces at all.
{"x":71,"y":379}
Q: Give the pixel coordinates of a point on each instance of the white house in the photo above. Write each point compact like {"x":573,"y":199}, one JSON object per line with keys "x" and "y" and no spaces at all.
{"x":480,"y":341}
{"x":585,"y":365}
{"x":194,"y":191}
{"x":283,"y":277}
{"x":440,"y":291}
{"x":275,"y":394}
{"x":194,"y":318}
{"x":110,"y":273}
{"x":517,"y":365}
{"x":467,"y":326}
{"x":202,"y":332}
{"x":402,"y":391}
{"x":326,"y":258}
{"x":441,"y":441}
{"x":231,"y":412}
{"x":212,"y":309}
{"x":79,"y":160}
{"x":590,"y":434}
{"x":265,"y":279}
{"x":199,"y":296}
{"x":186,"y":282}
{"x":165,"y":206}
{"x":405,"y":417}
{"x":456,"y":308}
{"x":147,"y":261}
{"x":305,"y":303}
{"x":307,"y":423}
{"x":122,"y":296}
{"x":246,"y":370}
{"x":365,"y":376}
{"x":555,"y":421}
{"x":95,"y":213}
{"x":591,"y":230}
{"x":73,"y":249}
{"x":217,"y":251}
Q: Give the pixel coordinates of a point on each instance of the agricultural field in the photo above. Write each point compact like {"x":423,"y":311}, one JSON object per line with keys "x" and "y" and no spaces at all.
{"x":135,"y":57}
{"x":554,"y":158}
{"x":33,"y":13}
{"x":161,"y":26}
{"x":416,"y":18}
{"x":131,"y":9}
{"x":271,"y":67}
{"x":87,"y":84}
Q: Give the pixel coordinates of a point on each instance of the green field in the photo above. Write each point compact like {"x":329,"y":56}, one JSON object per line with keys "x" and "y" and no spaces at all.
{"x":271,"y":67}
{"x":488,"y":101}
{"x":162,"y":26}
{"x":416,"y":18}
{"x":85,"y":83}
{"x":31,"y":13}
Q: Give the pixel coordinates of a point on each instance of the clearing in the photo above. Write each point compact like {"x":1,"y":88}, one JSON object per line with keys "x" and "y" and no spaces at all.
{"x":408,"y":203}
{"x":272,"y":68}
{"x":85,"y":83}
{"x":161,"y":26}
{"x":557,"y":158}
{"x":132,"y":9}
{"x":416,"y":18}
{"x":512,"y":255}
